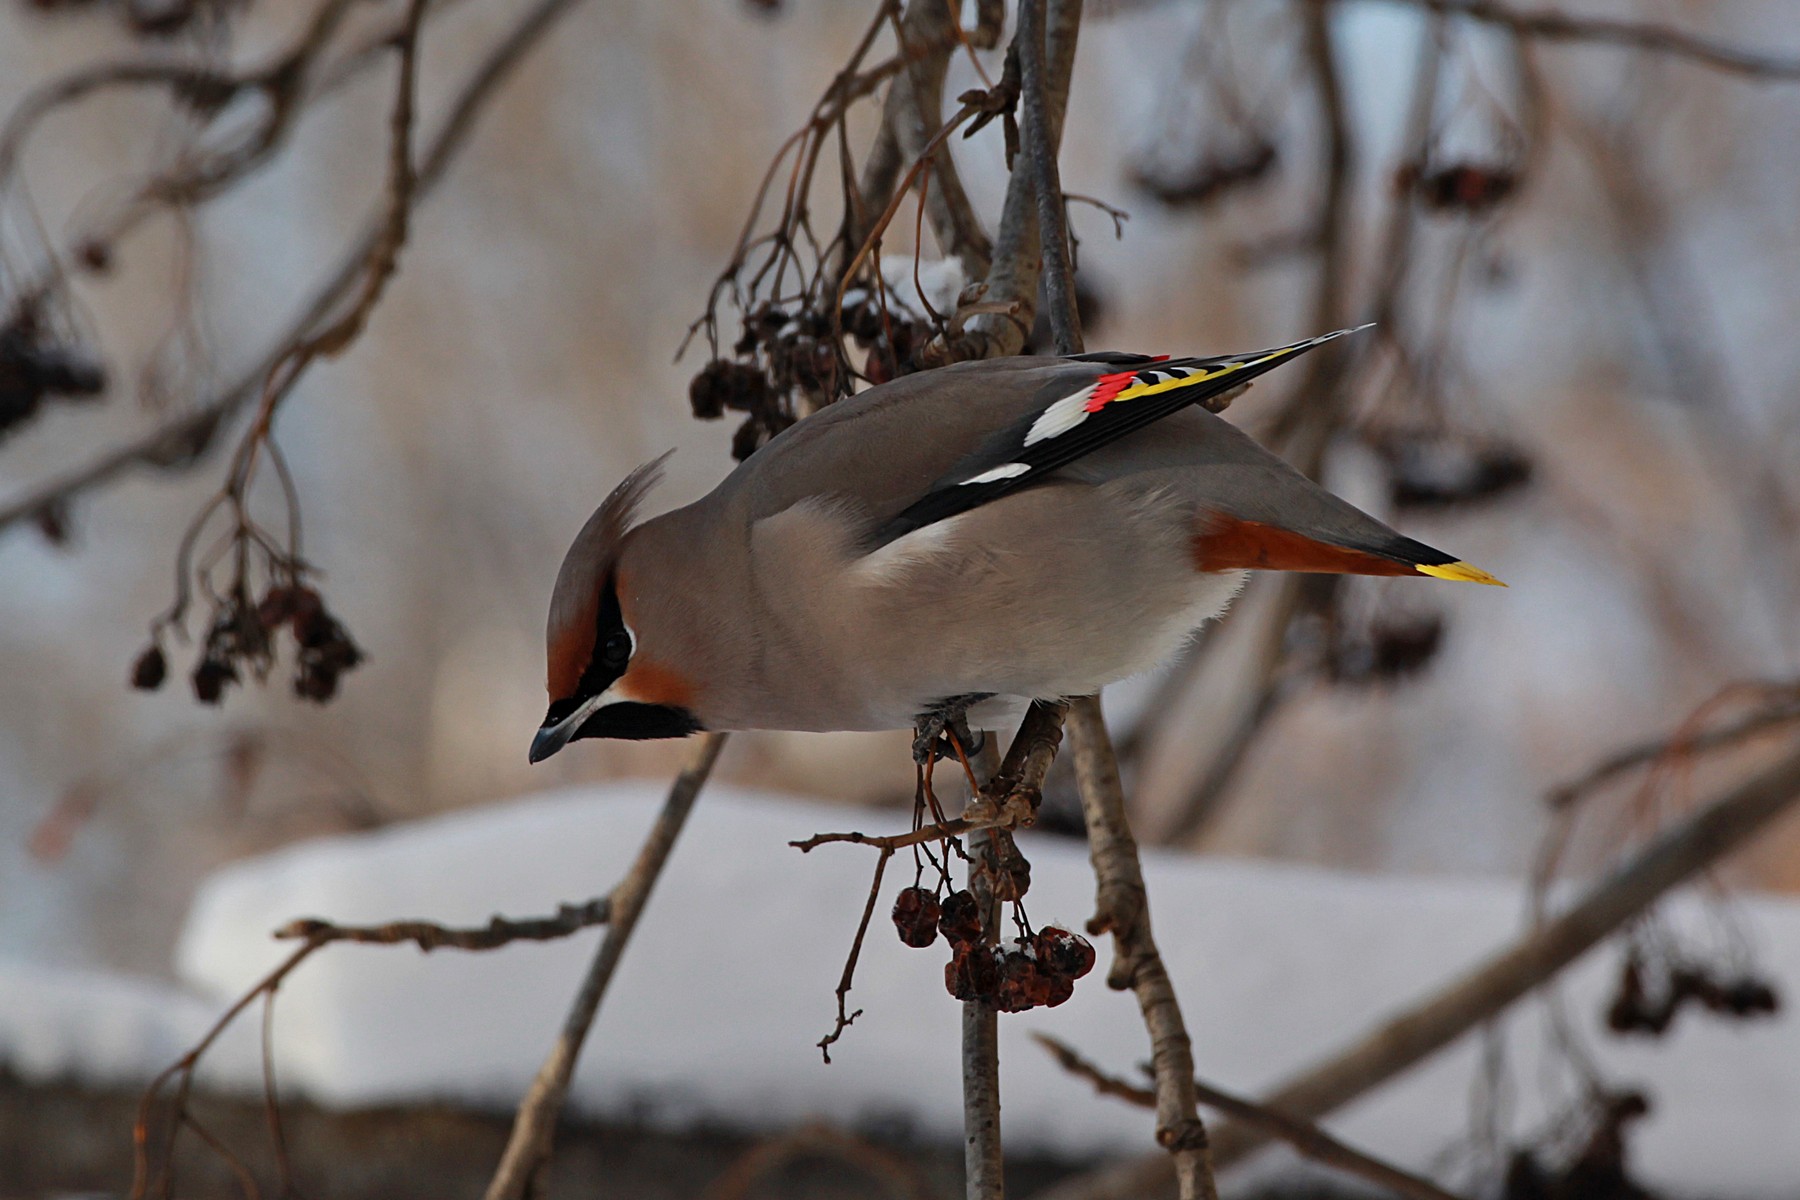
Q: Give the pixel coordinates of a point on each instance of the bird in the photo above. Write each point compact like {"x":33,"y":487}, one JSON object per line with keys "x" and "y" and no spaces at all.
{"x":975,"y":535}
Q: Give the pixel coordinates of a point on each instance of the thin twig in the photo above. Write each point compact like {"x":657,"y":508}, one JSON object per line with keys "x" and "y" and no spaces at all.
{"x":1303,"y":1136}
{"x":1783,"y":711}
{"x":429,"y":935}
{"x":1552,"y":26}
{"x":528,"y":1149}
{"x":844,"y":1020}
{"x":183,"y":440}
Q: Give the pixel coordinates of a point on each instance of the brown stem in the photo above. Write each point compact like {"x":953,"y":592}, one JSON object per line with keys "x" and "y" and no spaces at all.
{"x":1046,"y":182}
{"x":1002,"y":320}
{"x":914,"y":113}
{"x":1122,"y":908}
{"x":984,"y":1162}
{"x":185,"y":439}
{"x":528,"y":1149}
{"x":1303,"y":1136}
{"x":1551,"y":26}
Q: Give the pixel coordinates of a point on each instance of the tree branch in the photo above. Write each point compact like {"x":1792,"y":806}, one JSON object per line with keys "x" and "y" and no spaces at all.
{"x":1551,"y":26}
{"x":1680,"y":853}
{"x":184,"y":440}
{"x":528,"y":1149}
{"x":1303,"y":1136}
{"x":1000,"y":320}
{"x":1040,"y":137}
{"x":1122,"y":908}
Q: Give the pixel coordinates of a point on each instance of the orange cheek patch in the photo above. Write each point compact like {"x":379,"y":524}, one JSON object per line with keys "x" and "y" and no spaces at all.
{"x":569,"y":652}
{"x":649,"y":682}
{"x":1228,"y":544}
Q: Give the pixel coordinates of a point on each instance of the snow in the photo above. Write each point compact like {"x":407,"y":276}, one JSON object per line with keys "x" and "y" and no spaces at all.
{"x":60,"y":1023}
{"x":728,"y":984}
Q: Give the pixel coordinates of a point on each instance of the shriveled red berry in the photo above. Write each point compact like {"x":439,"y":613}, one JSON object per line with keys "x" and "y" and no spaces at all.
{"x":959,"y":918}
{"x":916,"y":916}
{"x":1066,"y":953}
{"x":972,"y":973}
{"x":1022,"y":985}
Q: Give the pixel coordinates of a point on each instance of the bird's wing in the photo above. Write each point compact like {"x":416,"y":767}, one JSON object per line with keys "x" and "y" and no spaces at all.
{"x":1088,"y":411}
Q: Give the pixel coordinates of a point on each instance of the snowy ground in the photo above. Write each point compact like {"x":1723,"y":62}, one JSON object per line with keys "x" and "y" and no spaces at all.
{"x":729,"y":983}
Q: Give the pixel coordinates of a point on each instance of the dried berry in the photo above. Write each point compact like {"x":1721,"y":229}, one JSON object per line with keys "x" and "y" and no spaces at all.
{"x":1012,"y":874}
{"x":150,"y":669}
{"x":959,"y":919}
{"x":973,"y":973}
{"x":1065,"y":953}
{"x":1022,"y":986}
{"x":210,"y":678}
{"x":1749,"y":996}
{"x":1210,"y":178}
{"x":95,"y":255}
{"x":1434,"y":472}
{"x":916,"y":916}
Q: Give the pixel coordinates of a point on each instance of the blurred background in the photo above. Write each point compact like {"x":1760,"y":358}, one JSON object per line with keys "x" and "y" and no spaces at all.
{"x":1581,"y":252}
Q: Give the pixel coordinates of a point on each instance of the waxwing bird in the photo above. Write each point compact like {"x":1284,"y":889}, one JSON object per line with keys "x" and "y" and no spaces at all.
{"x":1011,"y":528}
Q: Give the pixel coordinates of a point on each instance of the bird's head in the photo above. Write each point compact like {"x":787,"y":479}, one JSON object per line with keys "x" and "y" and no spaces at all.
{"x":602,"y":681}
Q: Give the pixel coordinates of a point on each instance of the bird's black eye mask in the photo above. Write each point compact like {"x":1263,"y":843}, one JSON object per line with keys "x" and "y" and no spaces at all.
{"x":608,"y":660}
{"x":613,"y":646}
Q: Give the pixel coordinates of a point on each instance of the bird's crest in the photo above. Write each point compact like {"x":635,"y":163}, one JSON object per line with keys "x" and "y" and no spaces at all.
{"x":575,"y":602}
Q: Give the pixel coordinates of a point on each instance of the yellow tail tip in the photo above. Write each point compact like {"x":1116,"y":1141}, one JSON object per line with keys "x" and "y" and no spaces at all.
{"x":1460,"y":571}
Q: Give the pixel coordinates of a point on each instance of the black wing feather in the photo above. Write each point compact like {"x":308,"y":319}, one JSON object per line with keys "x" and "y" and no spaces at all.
{"x":955,"y":493}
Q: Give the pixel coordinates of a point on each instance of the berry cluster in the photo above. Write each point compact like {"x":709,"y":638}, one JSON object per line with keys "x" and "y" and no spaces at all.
{"x":242,"y":633}
{"x":35,"y":367}
{"x":1465,"y":187}
{"x":1635,"y":1009}
{"x":1032,"y":971}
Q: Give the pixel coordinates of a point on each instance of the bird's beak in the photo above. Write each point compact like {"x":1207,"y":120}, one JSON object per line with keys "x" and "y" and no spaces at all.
{"x":552,"y":738}
{"x":549,"y":740}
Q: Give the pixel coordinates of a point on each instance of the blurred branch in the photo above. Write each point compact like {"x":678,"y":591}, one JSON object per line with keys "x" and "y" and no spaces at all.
{"x":897,"y":1175}
{"x":182,"y":441}
{"x":157,"y":1176}
{"x":1783,"y":708}
{"x":1671,"y":859}
{"x":1551,"y":26}
{"x":528,"y":1149}
{"x":1303,"y":1136}
{"x":1122,"y":908}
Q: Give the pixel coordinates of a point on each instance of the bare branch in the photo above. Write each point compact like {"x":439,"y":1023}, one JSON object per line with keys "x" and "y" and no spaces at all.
{"x":1552,"y":26}
{"x":1303,"y":1136}
{"x":1122,"y":908}
{"x":1680,"y":853}
{"x":429,"y":935}
{"x":528,"y":1149}
{"x":1784,"y":709}
{"x":184,"y":440}
{"x":1046,"y":181}
{"x":999,"y":319}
